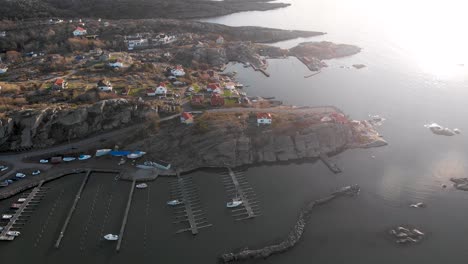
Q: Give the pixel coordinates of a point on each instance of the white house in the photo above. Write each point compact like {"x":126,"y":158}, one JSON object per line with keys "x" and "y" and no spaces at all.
{"x":79,"y":31}
{"x":178,"y":71}
{"x":263,"y":119}
{"x":116,"y":64}
{"x":163,"y":39}
{"x":230,"y":85}
{"x":220,"y":40}
{"x":104,"y":86}
{"x":161,"y":89}
{"x":136,"y":43}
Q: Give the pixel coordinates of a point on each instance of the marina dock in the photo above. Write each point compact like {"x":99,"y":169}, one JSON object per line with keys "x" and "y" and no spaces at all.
{"x":260,"y":70}
{"x":330,"y":164}
{"x":125,"y":218}
{"x":32,"y":199}
{"x":237,"y":186}
{"x":190,"y":211}
{"x":72,"y":209}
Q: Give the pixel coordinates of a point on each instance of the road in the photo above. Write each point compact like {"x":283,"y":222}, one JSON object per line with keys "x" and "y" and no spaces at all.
{"x":16,"y":160}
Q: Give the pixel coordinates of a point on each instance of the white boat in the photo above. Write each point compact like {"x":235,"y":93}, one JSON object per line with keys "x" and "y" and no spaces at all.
{"x":141,"y":186}
{"x":69,"y":159}
{"x":84,"y":157}
{"x":21,"y":200}
{"x":102,"y":152}
{"x":111,"y":237}
{"x":417,"y":205}
{"x":44,"y":161}
{"x":4,"y":168}
{"x":174,"y":202}
{"x":37,"y":172}
{"x":7,"y":216}
{"x":20,"y":175}
{"x":416,"y":231}
{"x":13,"y":233}
{"x":136,"y":154}
{"x":234,"y":203}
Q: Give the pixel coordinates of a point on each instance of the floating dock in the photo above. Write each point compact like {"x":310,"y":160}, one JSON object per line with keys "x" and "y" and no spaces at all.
{"x":72,"y":209}
{"x":125,"y":218}
{"x":190,"y":211}
{"x":330,"y":164}
{"x":237,"y":186}
{"x":31,"y":200}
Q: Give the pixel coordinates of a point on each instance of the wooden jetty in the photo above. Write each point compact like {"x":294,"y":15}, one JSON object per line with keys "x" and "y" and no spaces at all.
{"x":24,"y":209}
{"x":190,"y":211}
{"x":125,"y":218}
{"x":330,"y":164}
{"x":72,"y":209}
{"x":260,"y":70}
{"x":237,"y":186}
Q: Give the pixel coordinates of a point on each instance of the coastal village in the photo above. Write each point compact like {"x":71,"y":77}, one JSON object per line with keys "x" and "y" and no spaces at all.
{"x":138,"y":102}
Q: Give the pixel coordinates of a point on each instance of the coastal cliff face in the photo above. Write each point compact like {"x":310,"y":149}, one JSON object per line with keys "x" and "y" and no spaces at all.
{"x":234,"y":139}
{"x":42,"y":128}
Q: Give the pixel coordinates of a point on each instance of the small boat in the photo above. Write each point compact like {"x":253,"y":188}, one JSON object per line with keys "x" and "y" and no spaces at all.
{"x":4,"y":184}
{"x":111,"y":237}
{"x":141,"y":186}
{"x":44,"y":161}
{"x":102,"y":152}
{"x":3,"y":168}
{"x":9,"y":181}
{"x":36,"y":172}
{"x":7,"y":216}
{"x":15,"y":206}
{"x":239,"y":85}
{"x":21,"y":200}
{"x":234,"y":203}
{"x":13,"y":233}
{"x":418,"y":205}
{"x":69,"y":159}
{"x":174,"y":202}
{"x":84,"y":157}
{"x":20,"y":175}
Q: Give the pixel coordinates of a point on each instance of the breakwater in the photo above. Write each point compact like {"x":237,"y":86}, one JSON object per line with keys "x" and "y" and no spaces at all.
{"x":294,"y":235}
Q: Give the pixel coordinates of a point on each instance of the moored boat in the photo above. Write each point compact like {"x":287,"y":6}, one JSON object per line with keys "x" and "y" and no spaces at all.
{"x":13,"y":233}
{"x":44,"y":161}
{"x":111,"y":237}
{"x":141,"y":186}
{"x":21,"y":200}
{"x":69,"y":159}
{"x":7,"y":216}
{"x":234,"y":203}
{"x":102,"y":152}
{"x":36,"y":172}
{"x":174,"y":202}
{"x":15,"y":206}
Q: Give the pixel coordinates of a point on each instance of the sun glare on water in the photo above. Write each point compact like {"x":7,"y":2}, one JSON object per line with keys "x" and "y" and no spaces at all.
{"x":431,"y":33}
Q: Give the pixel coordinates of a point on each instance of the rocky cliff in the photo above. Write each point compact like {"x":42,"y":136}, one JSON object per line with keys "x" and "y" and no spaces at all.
{"x":41,"y":128}
{"x":233,"y":138}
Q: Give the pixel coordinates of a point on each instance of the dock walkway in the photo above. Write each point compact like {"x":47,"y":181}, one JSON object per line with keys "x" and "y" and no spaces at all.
{"x":30,"y":199}
{"x":125,"y":218}
{"x":237,"y":186}
{"x":190,"y":210}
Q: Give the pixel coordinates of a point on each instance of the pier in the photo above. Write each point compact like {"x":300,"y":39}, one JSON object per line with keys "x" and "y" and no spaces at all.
{"x":330,"y":164}
{"x":72,"y":209}
{"x":190,"y":211}
{"x":31,"y":200}
{"x":238,"y":187}
{"x":260,"y":70}
{"x":125,"y":218}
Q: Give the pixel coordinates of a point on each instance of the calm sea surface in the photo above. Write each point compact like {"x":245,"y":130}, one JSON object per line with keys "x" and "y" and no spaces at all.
{"x":414,"y":54}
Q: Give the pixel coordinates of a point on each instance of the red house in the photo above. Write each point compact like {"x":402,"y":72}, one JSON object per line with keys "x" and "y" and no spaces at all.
{"x":197,"y":100}
{"x":217,"y":100}
{"x":186,"y":118}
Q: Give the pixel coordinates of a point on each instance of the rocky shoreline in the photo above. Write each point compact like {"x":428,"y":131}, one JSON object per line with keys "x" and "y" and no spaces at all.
{"x":232,"y":137}
{"x":294,"y":235}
